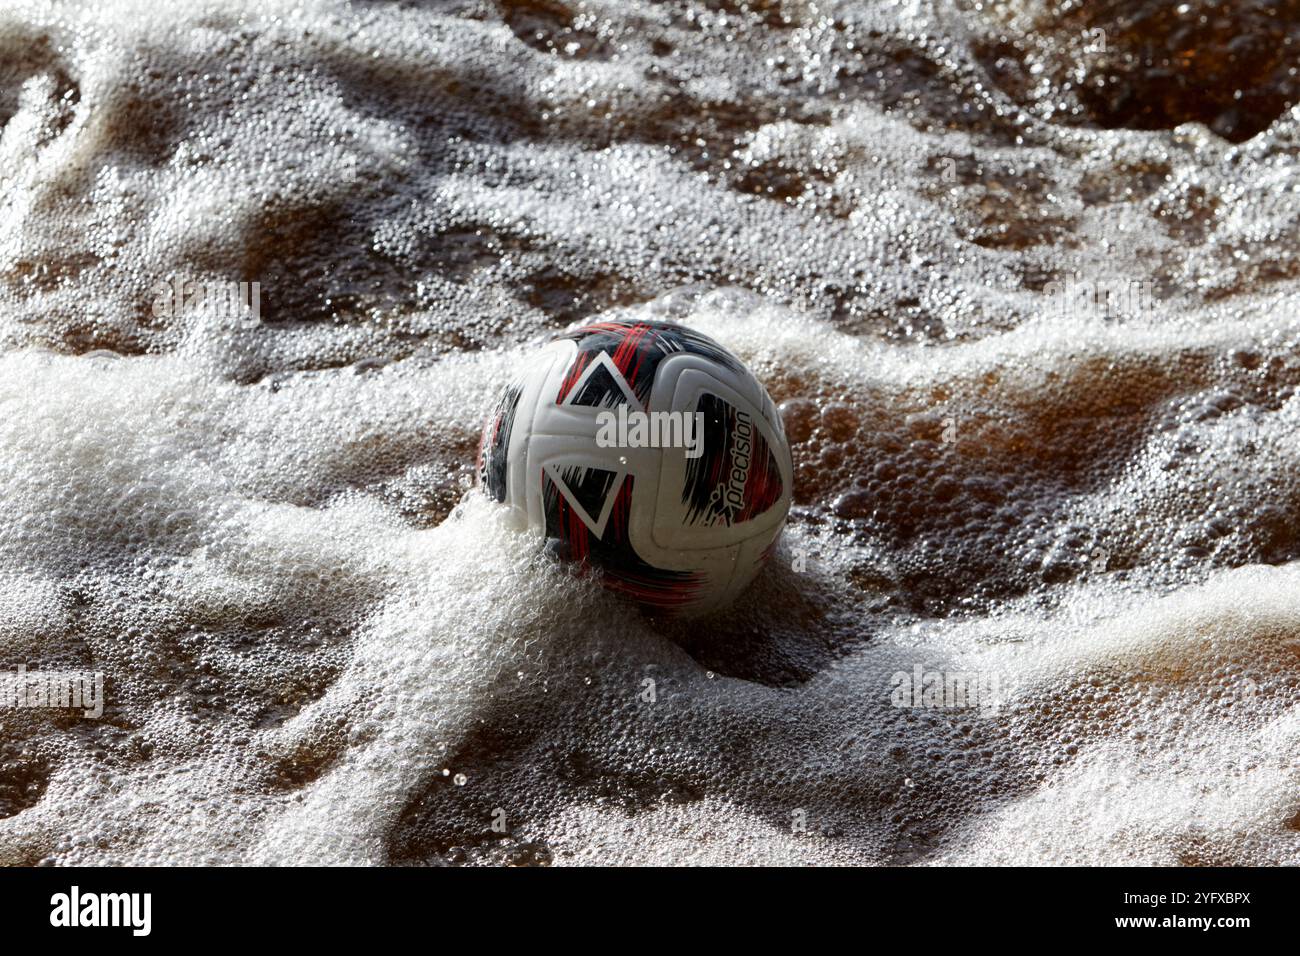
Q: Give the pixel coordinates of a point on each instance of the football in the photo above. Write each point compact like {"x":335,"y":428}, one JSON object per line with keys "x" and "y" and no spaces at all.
{"x":648,"y":451}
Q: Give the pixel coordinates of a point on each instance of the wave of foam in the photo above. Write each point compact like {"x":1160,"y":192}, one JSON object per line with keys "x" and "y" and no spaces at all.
{"x":319,"y":648}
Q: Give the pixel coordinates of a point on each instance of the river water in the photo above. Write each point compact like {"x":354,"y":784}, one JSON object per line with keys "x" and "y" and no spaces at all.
{"x":1021,"y":276}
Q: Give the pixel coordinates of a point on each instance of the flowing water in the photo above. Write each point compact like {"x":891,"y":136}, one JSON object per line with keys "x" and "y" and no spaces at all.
{"x":1022,"y":276}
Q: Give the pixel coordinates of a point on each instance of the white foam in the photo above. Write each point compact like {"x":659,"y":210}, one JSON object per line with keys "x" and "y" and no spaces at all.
{"x":319,"y":650}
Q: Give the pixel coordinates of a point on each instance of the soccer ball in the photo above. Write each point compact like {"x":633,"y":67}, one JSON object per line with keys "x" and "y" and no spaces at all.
{"x":647,"y":449}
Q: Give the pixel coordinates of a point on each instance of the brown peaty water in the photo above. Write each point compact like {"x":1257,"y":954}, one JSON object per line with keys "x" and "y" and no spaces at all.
{"x":1022,"y":277}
